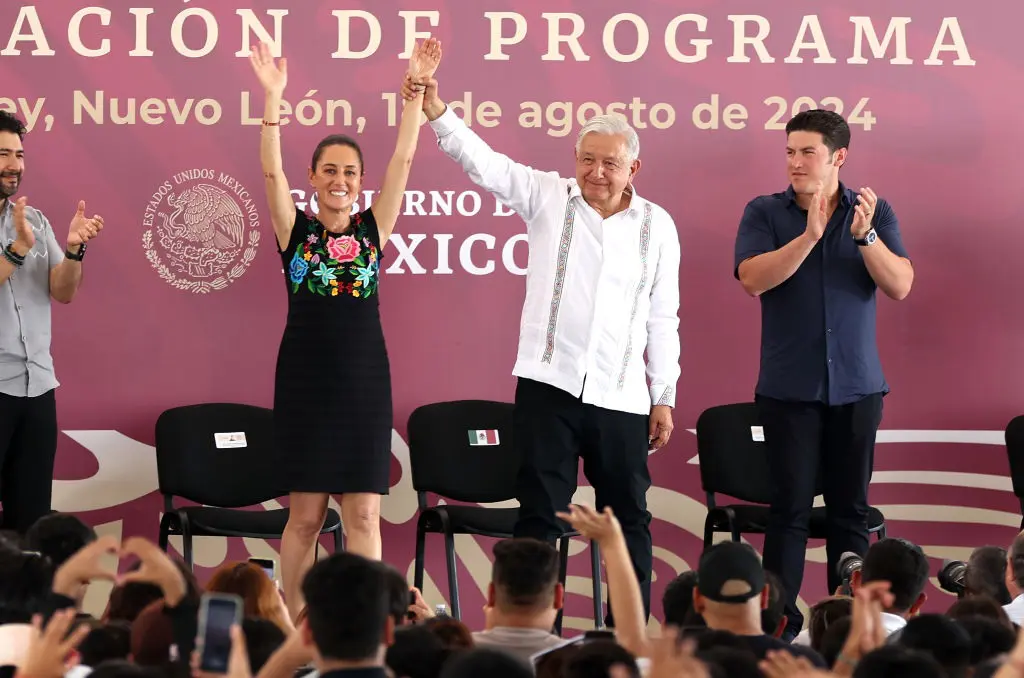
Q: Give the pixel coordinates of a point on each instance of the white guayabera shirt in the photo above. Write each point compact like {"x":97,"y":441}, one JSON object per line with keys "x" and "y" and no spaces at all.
{"x":599,"y":292}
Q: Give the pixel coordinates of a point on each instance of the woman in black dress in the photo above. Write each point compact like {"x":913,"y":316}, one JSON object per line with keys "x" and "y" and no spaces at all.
{"x":332,"y":393}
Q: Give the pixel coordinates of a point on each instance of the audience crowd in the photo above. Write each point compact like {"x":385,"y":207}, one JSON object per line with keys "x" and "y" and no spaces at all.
{"x":361,"y":619}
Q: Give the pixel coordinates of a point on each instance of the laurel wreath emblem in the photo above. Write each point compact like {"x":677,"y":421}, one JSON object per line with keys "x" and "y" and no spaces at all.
{"x":200,"y":286}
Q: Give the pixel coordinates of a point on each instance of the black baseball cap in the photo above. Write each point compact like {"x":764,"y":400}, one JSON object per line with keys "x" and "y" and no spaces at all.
{"x":730,"y":572}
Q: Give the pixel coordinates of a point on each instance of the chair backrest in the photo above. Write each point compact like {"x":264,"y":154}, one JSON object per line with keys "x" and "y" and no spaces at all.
{"x":1015,"y":452}
{"x":198,"y":459}
{"x":445,"y":462}
{"x":733,"y":459}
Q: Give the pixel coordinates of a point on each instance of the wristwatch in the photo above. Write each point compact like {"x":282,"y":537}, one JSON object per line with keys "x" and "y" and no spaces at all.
{"x":869,"y":238}
{"x":76,"y":257}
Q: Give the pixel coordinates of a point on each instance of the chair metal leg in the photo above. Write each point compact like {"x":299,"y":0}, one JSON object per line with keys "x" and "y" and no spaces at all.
{"x":709,"y":532}
{"x":339,"y":543}
{"x":563,"y":572}
{"x":595,"y":569}
{"x":165,"y":530}
{"x":421,"y":555}
{"x":186,"y":540}
{"x":453,"y":575}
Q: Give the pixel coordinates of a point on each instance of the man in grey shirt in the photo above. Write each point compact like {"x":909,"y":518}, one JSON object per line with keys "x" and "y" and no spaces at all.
{"x":33,"y":269}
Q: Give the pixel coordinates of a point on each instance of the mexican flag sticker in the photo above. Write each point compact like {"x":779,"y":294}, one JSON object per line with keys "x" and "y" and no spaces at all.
{"x":489,"y":437}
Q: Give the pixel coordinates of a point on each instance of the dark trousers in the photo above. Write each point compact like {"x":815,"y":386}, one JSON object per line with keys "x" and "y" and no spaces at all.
{"x":816,"y":448}
{"x":28,"y":446}
{"x":552,"y":430}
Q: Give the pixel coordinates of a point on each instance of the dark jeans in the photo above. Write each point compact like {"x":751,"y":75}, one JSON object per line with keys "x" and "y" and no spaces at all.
{"x":553,"y":430}
{"x":817,"y":448}
{"x":28,"y":446}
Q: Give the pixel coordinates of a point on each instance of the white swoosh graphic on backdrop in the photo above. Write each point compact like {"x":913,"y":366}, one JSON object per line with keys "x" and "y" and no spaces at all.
{"x":127,"y":471}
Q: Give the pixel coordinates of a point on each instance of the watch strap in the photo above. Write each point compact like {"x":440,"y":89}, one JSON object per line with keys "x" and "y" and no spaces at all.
{"x":73,"y":256}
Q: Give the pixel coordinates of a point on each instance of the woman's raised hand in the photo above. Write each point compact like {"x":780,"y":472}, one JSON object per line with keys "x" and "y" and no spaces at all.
{"x":426,"y":56}
{"x":272,"y":76}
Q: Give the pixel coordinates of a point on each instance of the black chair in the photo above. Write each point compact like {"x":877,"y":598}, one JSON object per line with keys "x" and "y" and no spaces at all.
{"x":445,"y":463}
{"x":223,"y":479}
{"x":1015,"y":452}
{"x":734,"y":464}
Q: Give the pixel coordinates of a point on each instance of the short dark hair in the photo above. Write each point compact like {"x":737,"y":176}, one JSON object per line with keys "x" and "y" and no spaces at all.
{"x":11,"y":123}
{"x":1015,"y":556}
{"x":525,"y":572}
{"x":979,"y":606}
{"x":832,"y":127}
{"x":597,"y":658}
{"x":677,"y":600}
{"x":347,"y":606}
{"x":25,"y":582}
{"x":989,"y":638}
{"x":262,"y":639}
{"x":824,"y":614}
{"x":416,"y":653}
{"x":485,"y":661}
{"x":942,"y":638}
{"x":106,"y":642}
{"x":894,"y":660}
{"x":337,"y":140}
{"x":399,"y":594}
{"x":902,"y":564}
{"x":58,"y":536}
{"x":986,"y":574}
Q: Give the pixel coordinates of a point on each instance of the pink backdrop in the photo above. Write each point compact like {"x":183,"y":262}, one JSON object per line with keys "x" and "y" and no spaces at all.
{"x":941,"y":150}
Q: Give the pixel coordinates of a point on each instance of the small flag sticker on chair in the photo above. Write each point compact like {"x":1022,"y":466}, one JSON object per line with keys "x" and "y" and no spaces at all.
{"x":489,"y":437}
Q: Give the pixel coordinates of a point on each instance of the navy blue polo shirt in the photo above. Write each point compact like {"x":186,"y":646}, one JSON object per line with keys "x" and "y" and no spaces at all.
{"x":818,"y":339}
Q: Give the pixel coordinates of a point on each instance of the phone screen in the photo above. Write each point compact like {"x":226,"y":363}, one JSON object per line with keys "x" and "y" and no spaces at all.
{"x":266,"y":565}
{"x":221,"y":613}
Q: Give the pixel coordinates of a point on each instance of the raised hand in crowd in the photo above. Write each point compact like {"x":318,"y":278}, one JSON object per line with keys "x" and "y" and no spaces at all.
{"x":419,"y":610}
{"x":673,"y":657}
{"x":783,"y":664}
{"x":238,"y":660}
{"x":624,"y":593}
{"x":155,"y":568}
{"x":51,"y":651}
{"x":74,"y":575}
{"x":867,"y":632}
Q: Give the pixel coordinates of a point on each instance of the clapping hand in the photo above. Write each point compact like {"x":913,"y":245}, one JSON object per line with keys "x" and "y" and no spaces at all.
{"x":817,"y":214}
{"x":864,"y":210}
{"x":25,"y":238}
{"x":83,"y":229}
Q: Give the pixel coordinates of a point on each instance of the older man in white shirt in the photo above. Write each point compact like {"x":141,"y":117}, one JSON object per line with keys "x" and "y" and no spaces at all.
{"x":1015,"y":580}
{"x":602,"y":288}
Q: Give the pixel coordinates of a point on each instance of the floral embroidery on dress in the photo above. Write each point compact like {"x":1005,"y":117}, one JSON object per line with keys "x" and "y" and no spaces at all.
{"x":345,"y":264}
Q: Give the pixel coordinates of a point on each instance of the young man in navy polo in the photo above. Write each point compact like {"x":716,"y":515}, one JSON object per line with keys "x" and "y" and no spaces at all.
{"x":815,"y":255}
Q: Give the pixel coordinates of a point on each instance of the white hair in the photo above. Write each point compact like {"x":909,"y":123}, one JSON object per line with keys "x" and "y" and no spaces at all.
{"x":612,"y":123}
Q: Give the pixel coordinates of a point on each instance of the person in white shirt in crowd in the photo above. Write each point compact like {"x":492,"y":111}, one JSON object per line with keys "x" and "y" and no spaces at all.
{"x":1015,"y":580}
{"x":905,"y":567}
{"x":602,"y":289}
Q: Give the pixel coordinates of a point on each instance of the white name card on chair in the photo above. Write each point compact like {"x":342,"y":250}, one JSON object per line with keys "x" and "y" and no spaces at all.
{"x":225,"y":440}
{"x":757,"y":434}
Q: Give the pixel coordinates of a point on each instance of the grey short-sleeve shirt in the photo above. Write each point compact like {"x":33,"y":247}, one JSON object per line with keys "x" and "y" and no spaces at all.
{"x":26,"y":366}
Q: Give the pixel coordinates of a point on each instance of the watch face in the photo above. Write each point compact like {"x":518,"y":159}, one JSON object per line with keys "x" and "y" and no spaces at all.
{"x":871,"y":237}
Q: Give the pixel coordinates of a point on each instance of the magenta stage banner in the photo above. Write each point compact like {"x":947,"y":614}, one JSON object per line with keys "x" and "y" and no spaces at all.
{"x":152,"y":116}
